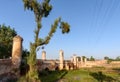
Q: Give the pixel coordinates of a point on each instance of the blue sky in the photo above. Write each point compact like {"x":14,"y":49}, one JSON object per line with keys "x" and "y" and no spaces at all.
{"x":95,"y":26}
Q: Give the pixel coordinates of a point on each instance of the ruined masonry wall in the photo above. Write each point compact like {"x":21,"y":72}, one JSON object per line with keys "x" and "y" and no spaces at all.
{"x":5,"y":66}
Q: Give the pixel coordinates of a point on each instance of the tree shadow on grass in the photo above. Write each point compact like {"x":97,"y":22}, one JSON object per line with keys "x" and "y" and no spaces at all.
{"x":64,"y":73}
{"x":52,"y":76}
{"x":100,"y":77}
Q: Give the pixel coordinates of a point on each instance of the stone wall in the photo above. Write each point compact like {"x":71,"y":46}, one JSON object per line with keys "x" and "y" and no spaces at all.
{"x":95,"y":63}
{"x":7,"y":71}
{"x":5,"y":66}
{"x":115,"y":62}
{"x":9,"y":68}
{"x":8,"y":65}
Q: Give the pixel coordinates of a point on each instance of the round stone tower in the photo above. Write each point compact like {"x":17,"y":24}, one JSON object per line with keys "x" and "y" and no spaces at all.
{"x":43,"y":55}
{"x":17,"y":51}
{"x":61,"y":64}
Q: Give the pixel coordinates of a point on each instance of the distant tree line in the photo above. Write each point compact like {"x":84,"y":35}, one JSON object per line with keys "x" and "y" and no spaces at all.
{"x":88,"y":59}
{"x":112,"y":59}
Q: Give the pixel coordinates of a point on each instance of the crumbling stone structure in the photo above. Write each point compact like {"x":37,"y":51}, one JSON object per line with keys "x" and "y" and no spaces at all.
{"x":9,"y":68}
{"x":8,"y":65}
{"x":61,"y":64}
{"x":17,"y":51}
{"x":43,"y":55}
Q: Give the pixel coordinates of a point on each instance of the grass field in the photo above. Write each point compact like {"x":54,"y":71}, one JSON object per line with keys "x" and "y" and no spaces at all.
{"x":96,"y":74}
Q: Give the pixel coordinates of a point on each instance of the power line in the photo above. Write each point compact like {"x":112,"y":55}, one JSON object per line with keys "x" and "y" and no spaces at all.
{"x":104,"y":10}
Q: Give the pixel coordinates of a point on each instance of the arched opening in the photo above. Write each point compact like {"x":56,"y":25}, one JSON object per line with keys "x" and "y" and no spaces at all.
{"x":46,"y":69}
{"x":24,"y":68}
{"x":57,"y":68}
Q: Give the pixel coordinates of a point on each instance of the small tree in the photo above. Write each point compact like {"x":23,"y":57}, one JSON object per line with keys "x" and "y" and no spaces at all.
{"x":117,"y":58}
{"x":106,"y":58}
{"x":40,"y":11}
{"x":83,"y":58}
{"x":92,"y":59}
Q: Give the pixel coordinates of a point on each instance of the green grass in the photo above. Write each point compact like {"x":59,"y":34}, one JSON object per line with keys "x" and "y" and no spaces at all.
{"x":95,"y":74}
{"x":79,"y":76}
{"x":51,"y":76}
{"x":67,"y":76}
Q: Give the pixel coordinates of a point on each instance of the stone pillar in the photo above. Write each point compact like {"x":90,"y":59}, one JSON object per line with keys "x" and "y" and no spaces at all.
{"x":61,"y":64}
{"x":66,"y":66}
{"x":85,"y":60}
{"x":75,"y":61}
{"x":17,"y":51}
{"x":43,"y":55}
{"x":71,"y":59}
{"x":81,"y":60}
